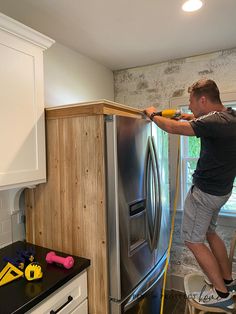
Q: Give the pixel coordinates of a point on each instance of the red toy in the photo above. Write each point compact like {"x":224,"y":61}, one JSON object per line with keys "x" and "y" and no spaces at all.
{"x":67,"y":262}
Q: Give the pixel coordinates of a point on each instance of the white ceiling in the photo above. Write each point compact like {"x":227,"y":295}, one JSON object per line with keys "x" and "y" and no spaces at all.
{"x":127,"y":33}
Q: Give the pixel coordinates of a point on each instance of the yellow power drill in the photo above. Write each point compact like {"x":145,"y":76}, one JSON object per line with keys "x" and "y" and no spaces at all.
{"x":167,"y":113}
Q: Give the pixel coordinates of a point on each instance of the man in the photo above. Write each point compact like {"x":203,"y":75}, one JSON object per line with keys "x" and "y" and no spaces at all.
{"x":212,"y":185}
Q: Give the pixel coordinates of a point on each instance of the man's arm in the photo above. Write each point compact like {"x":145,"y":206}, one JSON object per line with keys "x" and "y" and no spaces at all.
{"x":170,"y":125}
{"x":186,"y":116}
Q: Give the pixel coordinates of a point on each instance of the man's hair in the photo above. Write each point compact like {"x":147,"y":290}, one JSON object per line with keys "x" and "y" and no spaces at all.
{"x":207,"y":88}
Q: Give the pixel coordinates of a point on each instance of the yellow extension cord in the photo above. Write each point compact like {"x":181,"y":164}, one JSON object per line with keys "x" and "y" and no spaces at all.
{"x":172,"y":227}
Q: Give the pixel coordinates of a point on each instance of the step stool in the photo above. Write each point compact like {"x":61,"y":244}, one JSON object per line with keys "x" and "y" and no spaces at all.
{"x":192,"y":283}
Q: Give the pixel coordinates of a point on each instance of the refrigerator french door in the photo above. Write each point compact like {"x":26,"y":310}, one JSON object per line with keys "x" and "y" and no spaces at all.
{"x":138,"y":220}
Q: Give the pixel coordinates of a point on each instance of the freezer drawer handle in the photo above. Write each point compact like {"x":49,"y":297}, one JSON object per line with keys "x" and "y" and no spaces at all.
{"x":63,"y":305}
{"x":140,"y":295}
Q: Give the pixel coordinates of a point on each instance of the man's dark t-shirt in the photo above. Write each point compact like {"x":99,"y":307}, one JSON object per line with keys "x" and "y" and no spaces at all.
{"x":216,"y":167}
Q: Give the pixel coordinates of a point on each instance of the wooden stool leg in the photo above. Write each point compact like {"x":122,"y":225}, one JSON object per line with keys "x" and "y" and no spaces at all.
{"x":190,"y":309}
{"x":186,"y":311}
{"x":193,"y":310}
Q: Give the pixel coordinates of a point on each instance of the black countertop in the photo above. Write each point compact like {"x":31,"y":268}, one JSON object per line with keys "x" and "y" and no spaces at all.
{"x":20,"y":295}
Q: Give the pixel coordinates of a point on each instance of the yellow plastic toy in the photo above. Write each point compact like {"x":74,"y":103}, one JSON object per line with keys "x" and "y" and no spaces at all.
{"x":9,"y":273}
{"x":33,"y":272}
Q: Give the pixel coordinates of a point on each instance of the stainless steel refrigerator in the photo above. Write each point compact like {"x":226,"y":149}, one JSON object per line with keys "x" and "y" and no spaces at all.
{"x":138,"y":213}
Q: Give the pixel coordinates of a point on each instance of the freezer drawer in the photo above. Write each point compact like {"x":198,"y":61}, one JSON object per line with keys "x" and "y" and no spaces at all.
{"x":146,"y":298}
{"x":150,"y":303}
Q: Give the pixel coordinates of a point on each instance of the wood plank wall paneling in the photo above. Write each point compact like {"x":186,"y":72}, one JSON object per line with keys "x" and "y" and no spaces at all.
{"x":68,"y":213}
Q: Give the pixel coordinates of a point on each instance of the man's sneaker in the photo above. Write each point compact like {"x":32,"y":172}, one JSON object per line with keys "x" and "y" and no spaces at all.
{"x":231,"y":287}
{"x":209,"y":297}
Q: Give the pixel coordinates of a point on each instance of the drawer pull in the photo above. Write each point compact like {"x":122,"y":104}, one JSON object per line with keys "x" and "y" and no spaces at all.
{"x":63,"y":305}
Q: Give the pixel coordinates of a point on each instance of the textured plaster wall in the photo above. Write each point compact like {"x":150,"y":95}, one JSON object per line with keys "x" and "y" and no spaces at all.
{"x":156,"y":85}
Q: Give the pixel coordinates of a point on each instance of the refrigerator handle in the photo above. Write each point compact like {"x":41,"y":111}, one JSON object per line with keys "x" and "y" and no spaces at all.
{"x":147,"y":193}
{"x":151,"y":224}
{"x":158,"y":206}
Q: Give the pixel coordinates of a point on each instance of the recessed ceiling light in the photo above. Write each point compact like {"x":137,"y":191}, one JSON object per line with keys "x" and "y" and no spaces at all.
{"x":192,"y":5}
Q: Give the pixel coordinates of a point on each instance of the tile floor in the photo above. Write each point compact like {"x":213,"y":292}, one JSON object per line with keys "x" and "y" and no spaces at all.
{"x":175,"y":303}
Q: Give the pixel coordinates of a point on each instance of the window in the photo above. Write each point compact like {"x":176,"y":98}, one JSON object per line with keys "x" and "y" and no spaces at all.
{"x":189,"y":152}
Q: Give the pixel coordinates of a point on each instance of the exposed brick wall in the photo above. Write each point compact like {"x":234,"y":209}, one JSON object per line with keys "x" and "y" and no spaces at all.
{"x":156,"y":84}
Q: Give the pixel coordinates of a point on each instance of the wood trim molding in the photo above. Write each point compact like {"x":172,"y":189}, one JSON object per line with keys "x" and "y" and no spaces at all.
{"x":20,"y":30}
{"x":92,"y":108}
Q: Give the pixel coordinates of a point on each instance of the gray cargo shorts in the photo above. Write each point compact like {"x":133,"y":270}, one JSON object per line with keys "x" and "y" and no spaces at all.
{"x":200,"y":214}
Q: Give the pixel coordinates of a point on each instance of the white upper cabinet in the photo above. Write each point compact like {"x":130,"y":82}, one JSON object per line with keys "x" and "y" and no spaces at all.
{"x":22,"y":133}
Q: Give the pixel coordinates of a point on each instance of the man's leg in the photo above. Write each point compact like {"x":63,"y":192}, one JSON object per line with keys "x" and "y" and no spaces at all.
{"x":208,"y":263}
{"x":219,"y":251}
{"x":200,"y":216}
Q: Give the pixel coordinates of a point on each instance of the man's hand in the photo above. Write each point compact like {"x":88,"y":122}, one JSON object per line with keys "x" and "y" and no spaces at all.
{"x":148,"y":111}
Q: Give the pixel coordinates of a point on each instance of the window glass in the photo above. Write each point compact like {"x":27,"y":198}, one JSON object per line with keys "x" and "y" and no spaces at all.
{"x":194,"y":146}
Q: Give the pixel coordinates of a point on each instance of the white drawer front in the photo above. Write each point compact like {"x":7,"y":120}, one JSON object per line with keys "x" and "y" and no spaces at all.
{"x":81,"y":309}
{"x":67,"y":298}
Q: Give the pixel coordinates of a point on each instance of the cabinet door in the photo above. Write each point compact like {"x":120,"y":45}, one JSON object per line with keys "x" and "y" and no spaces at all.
{"x":81,"y":309}
{"x":66,"y":299}
{"x":22,"y":136}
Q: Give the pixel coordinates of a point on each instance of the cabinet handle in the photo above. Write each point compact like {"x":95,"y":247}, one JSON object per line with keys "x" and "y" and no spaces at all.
{"x":63,"y":305}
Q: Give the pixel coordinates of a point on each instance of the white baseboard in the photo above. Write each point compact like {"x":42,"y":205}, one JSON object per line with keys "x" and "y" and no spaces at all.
{"x":175,"y":282}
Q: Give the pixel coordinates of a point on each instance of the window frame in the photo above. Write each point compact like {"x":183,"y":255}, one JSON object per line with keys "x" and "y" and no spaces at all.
{"x":228,"y":98}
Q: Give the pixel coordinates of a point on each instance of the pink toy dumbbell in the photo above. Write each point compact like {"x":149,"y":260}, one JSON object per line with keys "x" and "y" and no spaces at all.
{"x":67,"y":262}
